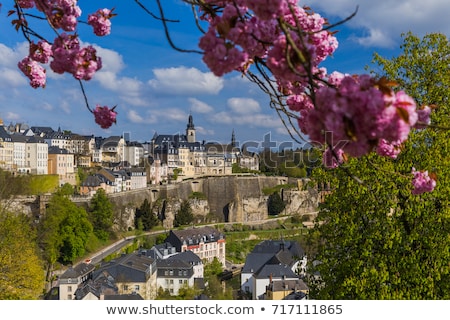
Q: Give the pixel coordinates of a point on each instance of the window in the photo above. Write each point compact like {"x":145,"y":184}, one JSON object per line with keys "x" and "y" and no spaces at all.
{"x":125,"y":287}
{"x":69,"y":297}
{"x":69,"y":288}
{"x":180,"y":281}
{"x":136,"y":287}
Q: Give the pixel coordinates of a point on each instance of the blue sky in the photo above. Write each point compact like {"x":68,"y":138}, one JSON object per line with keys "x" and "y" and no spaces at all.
{"x":156,"y":87}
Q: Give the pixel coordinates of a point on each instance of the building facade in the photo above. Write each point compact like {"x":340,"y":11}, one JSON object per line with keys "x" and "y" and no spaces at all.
{"x":206,"y":242}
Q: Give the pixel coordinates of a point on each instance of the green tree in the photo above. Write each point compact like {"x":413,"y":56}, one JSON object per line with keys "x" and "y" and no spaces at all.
{"x":144,"y":217}
{"x":101,"y":215}
{"x":66,"y":189}
{"x":377,"y":240}
{"x":21,"y":269}
{"x":11,"y":185}
{"x":290,"y":169}
{"x":275,"y":205}
{"x":184,"y":215}
{"x":64,"y":231}
{"x":215,"y":289}
{"x":213,"y":268}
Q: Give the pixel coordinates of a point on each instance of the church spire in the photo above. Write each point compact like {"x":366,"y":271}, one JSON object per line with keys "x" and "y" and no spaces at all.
{"x":190,"y":124}
{"x":233,"y":139}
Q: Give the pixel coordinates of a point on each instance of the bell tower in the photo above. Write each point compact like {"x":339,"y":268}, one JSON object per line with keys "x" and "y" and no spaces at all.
{"x":190,"y":130}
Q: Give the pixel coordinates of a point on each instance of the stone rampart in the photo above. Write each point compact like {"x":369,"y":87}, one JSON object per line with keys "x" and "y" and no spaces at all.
{"x":226,"y":199}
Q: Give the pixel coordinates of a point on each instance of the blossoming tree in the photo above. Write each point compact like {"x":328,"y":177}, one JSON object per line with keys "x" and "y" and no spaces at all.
{"x":276,"y":44}
{"x":388,"y":239}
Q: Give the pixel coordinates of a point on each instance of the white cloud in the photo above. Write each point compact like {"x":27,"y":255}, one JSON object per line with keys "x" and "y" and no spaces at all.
{"x":112,"y":61}
{"x":46,"y":106}
{"x":172,"y":114}
{"x":148,"y":118}
{"x":109,"y":80}
{"x":11,"y":116}
{"x":205,"y":132}
{"x":128,"y":89}
{"x":247,"y":120}
{"x":380,"y":23}
{"x":134,"y":117}
{"x":198,"y":106}
{"x":182,"y":80}
{"x":157,"y":116}
{"x":244,"y":105}
{"x":11,"y":56}
{"x":12,"y":77}
{"x":222,"y":117}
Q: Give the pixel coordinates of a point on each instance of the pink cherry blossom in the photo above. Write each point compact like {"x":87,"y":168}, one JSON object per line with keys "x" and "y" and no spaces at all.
{"x":40,"y":52}
{"x":34,"y":71}
{"x":62,"y":14}
{"x":85,"y":63}
{"x":26,"y":4}
{"x":422,"y":182}
{"x":388,"y":149}
{"x":69,"y":57}
{"x":104,"y":116}
{"x":100,"y":21}
{"x":333,"y":158}
{"x":65,"y":47}
{"x":423,"y":117}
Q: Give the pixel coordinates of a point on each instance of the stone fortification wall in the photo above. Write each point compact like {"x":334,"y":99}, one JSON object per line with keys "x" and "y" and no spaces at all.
{"x":227,"y":199}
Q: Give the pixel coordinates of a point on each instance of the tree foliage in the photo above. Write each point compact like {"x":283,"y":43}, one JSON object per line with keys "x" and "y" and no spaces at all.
{"x":275,"y":204}
{"x":11,"y":185}
{"x":184,"y":215}
{"x":144,"y":217}
{"x":215,"y":288}
{"x":291,"y":163}
{"x":21,"y":269}
{"x":377,"y":239}
{"x":101,"y":215}
{"x":64,"y":231}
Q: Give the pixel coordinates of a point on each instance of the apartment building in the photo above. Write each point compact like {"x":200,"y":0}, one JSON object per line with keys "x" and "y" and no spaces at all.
{"x":206,"y":242}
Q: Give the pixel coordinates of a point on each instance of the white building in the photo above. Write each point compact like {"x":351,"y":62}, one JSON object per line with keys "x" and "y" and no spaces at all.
{"x":37,"y":155}
{"x":20,"y":152}
{"x":206,"y":242}
{"x":6,"y":150}
{"x":174,"y":274}
{"x":134,"y":153}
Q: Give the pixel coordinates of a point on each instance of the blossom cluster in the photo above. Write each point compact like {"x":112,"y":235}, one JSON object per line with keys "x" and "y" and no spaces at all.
{"x":422,"y":182}
{"x":65,"y":54}
{"x":350,"y":115}
{"x":104,"y":116}
{"x":241,"y":31}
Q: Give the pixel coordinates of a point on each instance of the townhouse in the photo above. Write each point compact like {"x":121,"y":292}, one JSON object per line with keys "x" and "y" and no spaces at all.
{"x":274,"y":269}
{"x":206,"y":242}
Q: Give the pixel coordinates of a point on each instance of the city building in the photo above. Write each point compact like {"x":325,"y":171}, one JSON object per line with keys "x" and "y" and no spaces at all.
{"x":206,"y":242}
{"x":271,"y":261}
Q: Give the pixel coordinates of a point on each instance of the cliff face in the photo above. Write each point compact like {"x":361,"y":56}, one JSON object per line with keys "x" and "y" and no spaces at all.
{"x":226,"y":199}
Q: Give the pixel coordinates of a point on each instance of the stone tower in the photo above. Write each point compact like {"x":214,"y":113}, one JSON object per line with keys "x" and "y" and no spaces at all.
{"x":190,"y":130}
{"x":233,"y":140}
